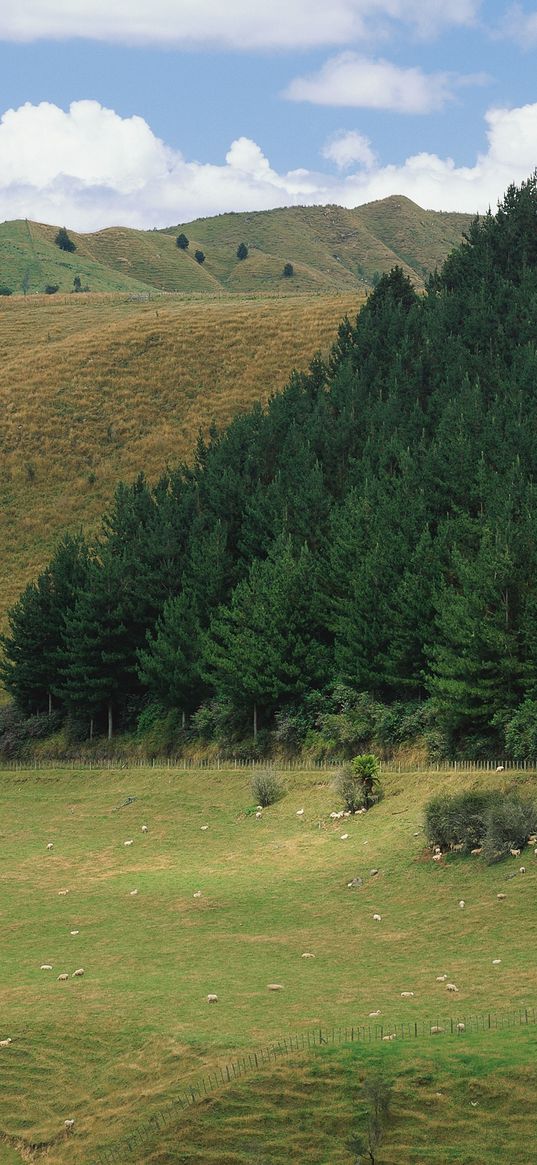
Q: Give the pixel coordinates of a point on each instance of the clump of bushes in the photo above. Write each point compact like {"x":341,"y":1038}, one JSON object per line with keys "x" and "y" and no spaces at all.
{"x":267,"y":787}
{"x":358,"y":783}
{"x":491,"y":820}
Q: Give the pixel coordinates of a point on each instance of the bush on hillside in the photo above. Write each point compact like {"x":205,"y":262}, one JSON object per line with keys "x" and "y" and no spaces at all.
{"x":63,"y":241}
{"x":349,"y":789}
{"x":5,"y":290}
{"x":182,"y":242}
{"x":242,"y":251}
{"x":288,"y":270}
{"x":199,"y":256}
{"x":267,"y":787}
{"x":52,"y":288}
{"x":508,"y":825}
{"x":458,"y":820}
{"x":19,"y":732}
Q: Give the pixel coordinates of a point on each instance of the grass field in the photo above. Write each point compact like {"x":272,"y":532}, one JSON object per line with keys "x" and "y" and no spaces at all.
{"x":114,"y":1047}
{"x":94,"y":389}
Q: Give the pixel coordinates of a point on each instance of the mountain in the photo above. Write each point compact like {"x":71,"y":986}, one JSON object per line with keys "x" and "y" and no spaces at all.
{"x":331,"y":249}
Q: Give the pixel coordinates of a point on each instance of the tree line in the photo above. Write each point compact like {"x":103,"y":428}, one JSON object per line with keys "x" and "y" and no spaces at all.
{"x":371,"y":532}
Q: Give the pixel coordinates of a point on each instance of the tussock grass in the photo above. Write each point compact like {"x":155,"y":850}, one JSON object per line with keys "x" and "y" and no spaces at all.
{"x":114,"y":1047}
{"x":95,"y":388}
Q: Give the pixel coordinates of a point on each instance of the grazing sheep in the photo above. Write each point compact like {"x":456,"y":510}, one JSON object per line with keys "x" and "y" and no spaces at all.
{"x":50,"y":845}
{"x":212,"y":999}
{"x":377,"y":918}
{"x":441,"y":978}
{"x":144,"y":829}
{"x":437,"y":849}
{"x":437,"y":857}
{"x":78,"y":974}
{"x":62,"y":893}
{"x":343,"y":837}
{"x":496,"y":962}
{"x":407,"y":994}
{"x":499,"y":768}
{"x":457,"y":847}
{"x":275,"y":986}
{"x":533,"y":839}
{"x":75,"y":932}
{"x":461,"y":1027}
{"x":299,"y":812}
{"x":308,"y":955}
{"x":462,"y":904}
{"x":436,"y":1030}
{"x":501,"y":896}
{"x":477,"y":850}
{"x":6,"y":1043}
{"x":392,"y":1037}
{"x":46,"y":967}
{"x":204,"y":826}
{"x":374,"y":1014}
{"x":133,"y":893}
{"x":515,"y":853}
{"x":69,"y":1125}
{"x":197,"y":894}
{"x":129,"y":842}
{"x":62,"y":978}
{"x":522,"y":870}
{"x":451,"y":987}
{"x":259,"y":814}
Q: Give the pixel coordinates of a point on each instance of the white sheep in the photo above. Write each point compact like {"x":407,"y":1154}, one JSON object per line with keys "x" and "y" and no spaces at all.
{"x":299,"y":812}
{"x":392,"y":1037}
{"x":129,"y":842}
{"x":515,"y":853}
{"x":62,"y":893}
{"x":275,"y":986}
{"x":6,"y":1043}
{"x":374,"y":1014}
{"x":212,"y":999}
{"x":501,"y":896}
{"x":50,"y":845}
{"x":308,"y":955}
{"x":496,"y":962}
{"x":436,"y":1030}
{"x":78,"y":973}
{"x":75,"y":932}
{"x":144,"y":829}
{"x":462,"y":904}
{"x":477,"y":850}
{"x":62,"y":978}
{"x":437,"y":857}
{"x":407,"y":994}
{"x":461,"y":1027}
{"x":451,"y":987}
{"x":204,"y":826}
{"x":46,"y":967}
{"x":133,"y":893}
{"x":377,"y":918}
{"x":69,"y":1125}
{"x":259,"y":814}
{"x":344,"y":837}
{"x":499,"y":768}
{"x":441,"y":978}
{"x":522,"y":870}
{"x":197,"y":894}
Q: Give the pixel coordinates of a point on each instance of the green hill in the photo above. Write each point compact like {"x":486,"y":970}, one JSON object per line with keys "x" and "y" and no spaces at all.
{"x":331,"y":249}
{"x":228,"y":903}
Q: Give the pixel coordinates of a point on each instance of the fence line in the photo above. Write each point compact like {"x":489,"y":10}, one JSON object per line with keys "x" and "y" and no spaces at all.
{"x":459,"y":1026}
{"x":185,"y":764}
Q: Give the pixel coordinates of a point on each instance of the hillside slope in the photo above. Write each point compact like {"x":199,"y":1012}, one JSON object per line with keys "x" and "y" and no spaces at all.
{"x":331,"y":249}
{"x":95,"y":388}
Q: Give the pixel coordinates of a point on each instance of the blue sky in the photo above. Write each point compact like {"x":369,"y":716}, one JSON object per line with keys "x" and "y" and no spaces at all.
{"x":150,"y":114}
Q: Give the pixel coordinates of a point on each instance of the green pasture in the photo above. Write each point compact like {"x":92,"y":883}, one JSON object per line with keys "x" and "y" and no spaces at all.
{"x":113,"y":1047}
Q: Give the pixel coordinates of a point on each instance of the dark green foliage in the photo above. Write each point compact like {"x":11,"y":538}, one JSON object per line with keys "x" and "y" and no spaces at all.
{"x":242,"y":251}
{"x":182,"y":242}
{"x":458,"y":820}
{"x":77,"y":283}
{"x":508,"y":825}
{"x":63,"y":241}
{"x":350,"y":567}
{"x":18,"y":732}
{"x":288,"y":270}
{"x":52,"y":288}
{"x":199,"y":256}
{"x":5,"y":290}
{"x":349,"y":789}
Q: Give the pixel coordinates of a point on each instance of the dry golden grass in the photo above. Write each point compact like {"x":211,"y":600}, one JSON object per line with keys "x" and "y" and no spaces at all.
{"x":95,"y":388}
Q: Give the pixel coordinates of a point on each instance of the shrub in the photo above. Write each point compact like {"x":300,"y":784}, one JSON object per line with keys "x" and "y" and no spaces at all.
{"x":52,"y":288}
{"x":63,"y":241}
{"x":182,"y":242}
{"x":351,"y":725}
{"x":349,"y":789}
{"x":199,"y":256}
{"x":267,"y":787}
{"x":288,"y":270}
{"x":458,"y":820}
{"x":508,"y":824}
{"x":242,"y":251}
{"x":5,"y":290}
{"x":366,"y":768}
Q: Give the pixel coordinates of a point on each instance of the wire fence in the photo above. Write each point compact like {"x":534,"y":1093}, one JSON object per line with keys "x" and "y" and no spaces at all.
{"x":234,"y":764}
{"x":459,"y":1026}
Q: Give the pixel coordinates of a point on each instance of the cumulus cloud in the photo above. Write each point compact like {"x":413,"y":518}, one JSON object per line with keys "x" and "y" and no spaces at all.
{"x":89,"y":168}
{"x":353,"y":80}
{"x":348,"y":147}
{"x":238,"y":24}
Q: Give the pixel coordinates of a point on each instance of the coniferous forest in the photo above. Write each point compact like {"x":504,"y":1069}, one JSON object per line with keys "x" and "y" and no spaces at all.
{"x":357,"y":561}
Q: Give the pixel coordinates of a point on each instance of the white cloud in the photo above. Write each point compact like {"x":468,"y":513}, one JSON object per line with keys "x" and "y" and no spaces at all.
{"x":89,"y":168}
{"x":347,"y":147}
{"x":353,"y":80}
{"x":520,"y":26}
{"x":239,"y":24}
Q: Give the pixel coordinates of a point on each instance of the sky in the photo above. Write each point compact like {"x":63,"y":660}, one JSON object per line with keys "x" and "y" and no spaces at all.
{"x":149,"y":113}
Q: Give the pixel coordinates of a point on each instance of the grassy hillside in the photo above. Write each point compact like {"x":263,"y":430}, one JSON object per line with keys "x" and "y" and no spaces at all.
{"x":95,"y":388}
{"x":332,"y":249}
{"x":229,"y":909}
